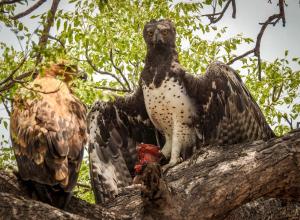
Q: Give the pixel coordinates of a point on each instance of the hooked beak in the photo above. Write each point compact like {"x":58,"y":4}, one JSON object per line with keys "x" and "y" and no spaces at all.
{"x":157,"y":38}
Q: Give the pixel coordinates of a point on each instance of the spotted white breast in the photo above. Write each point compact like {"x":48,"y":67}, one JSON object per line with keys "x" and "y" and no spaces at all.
{"x":171,"y":111}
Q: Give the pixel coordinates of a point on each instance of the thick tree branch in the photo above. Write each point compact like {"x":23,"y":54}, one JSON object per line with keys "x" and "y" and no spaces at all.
{"x":29,"y":10}
{"x":211,"y":185}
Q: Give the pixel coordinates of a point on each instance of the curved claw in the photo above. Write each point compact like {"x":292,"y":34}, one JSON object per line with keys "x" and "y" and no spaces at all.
{"x":171,"y":164}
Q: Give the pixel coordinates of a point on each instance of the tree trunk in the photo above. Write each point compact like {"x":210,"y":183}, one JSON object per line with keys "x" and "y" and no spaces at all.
{"x":233,"y":182}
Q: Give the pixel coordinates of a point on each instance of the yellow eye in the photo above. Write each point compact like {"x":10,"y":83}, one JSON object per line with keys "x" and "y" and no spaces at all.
{"x":150,"y":33}
{"x":165,"y":32}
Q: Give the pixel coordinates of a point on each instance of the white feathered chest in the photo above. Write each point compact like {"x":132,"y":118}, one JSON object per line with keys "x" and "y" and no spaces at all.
{"x":169,"y":107}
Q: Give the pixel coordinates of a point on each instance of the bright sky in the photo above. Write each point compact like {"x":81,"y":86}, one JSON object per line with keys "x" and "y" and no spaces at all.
{"x":249,"y":13}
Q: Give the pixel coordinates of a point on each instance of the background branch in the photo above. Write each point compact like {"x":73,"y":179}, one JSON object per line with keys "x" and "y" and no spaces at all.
{"x":90,"y":62}
{"x":45,"y":33}
{"x":118,"y":69}
{"x":11,"y":83}
{"x":273,"y":19}
{"x":9,"y":2}
{"x":5,"y":105}
{"x":212,"y":17}
{"x":29,"y":10}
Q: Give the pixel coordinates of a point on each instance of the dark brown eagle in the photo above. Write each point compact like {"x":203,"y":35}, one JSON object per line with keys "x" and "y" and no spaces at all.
{"x":48,"y":132}
{"x":188,"y":111}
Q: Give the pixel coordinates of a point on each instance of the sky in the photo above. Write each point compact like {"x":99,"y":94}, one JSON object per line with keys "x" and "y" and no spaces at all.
{"x":249,"y":13}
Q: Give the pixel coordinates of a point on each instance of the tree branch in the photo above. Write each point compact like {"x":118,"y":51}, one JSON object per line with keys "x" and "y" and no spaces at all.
{"x":118,"y":69}
{"x":212,"y":17}
{"x":45,"y":33}
{"x":13,"y":72}
{"x":29,"y":10}
{"x":273,"y":19}
{"x":9,"y":2}
{"x":110,"y":89}
{"x":290,"y":122}
{"x":5,"y":105}
{"x":58,"y":40}
{"x":210,"y":185}
{"x":103,"y":72}
{"x":12,"y":82}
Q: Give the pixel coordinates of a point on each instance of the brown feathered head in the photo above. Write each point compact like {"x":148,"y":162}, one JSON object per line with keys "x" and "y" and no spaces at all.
{"x":65,"y":70}
{"x":160,"y":33}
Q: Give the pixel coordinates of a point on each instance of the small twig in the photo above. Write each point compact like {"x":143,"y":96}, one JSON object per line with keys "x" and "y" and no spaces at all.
{"x":13,"y":72}
{"x":214,"y":19}
{"x":111,"y":89}
{"x":275,"y":97}
{"x":83,"y":185}
{"x":11,"y":82}
{"x":118,"y":69}
{"x":241,"y":56}
{"x":59,"y":41}
{"x":273,"y":19}
{"x":40,"y":91}
{"x":290,"y":122}
{"x":29,"y":10}
{"x":233,"y":9}
{"x":5,"y":106}
{"x":100,"y":71}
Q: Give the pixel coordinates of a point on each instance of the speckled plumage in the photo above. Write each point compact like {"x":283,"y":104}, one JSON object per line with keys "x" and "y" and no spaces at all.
{"x":48,"y":132}
{"x":188,"y":111}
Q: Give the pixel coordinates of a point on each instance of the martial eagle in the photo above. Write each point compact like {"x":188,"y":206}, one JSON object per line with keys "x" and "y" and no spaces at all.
{"x":188,"y":111}
{"x":48,"y":131}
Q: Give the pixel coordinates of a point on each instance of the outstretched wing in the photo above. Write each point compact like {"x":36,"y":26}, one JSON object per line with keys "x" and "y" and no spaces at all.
{"x":115,"y":129}
{"x":48,"y":132}
{"x":228,"y":114}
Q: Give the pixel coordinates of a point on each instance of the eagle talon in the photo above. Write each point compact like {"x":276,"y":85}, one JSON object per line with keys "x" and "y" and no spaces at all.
{"x":171,"y":164}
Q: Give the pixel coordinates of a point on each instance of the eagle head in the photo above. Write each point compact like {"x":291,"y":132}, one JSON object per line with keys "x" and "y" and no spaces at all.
{"x":159,"y":34}
{"x":65,"y":70}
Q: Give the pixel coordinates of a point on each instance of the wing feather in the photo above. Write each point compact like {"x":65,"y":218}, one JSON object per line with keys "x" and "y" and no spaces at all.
{"x":115,"y":129}
{"x":48,"y":134}
{"x":228,"y":112}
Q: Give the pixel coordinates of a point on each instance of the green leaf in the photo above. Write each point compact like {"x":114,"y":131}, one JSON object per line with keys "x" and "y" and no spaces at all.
{"x":5,"y":124}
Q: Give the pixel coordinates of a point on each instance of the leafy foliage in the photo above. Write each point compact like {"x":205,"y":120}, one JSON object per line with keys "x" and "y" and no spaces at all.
{"x":83,"y":188}
{"x":104,"y":38}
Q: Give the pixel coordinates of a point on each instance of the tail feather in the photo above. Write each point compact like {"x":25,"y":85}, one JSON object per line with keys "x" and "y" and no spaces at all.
{"x":54,"y":196}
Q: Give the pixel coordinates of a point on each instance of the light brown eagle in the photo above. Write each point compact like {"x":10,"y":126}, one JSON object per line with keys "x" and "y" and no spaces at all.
{"x":48,"y":132}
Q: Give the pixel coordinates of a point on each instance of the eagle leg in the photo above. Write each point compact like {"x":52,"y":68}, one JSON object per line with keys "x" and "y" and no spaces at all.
{"x":176,"y":147}
{"x":166,"y":150}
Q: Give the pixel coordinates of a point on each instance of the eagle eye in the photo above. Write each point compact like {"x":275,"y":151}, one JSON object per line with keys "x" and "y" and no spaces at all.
{"x":165,"y":32}
{"x":150,"y":33}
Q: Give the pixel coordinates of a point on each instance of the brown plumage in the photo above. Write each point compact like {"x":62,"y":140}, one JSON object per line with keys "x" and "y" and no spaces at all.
{"x":48,"y":132}
{"x":180,"y":111}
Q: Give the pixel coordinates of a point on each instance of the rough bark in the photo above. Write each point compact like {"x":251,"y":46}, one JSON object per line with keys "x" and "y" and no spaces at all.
{"x":217,"y":183}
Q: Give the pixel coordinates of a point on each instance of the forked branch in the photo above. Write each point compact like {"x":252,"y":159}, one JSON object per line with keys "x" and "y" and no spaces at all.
{"x":273,"y":19}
